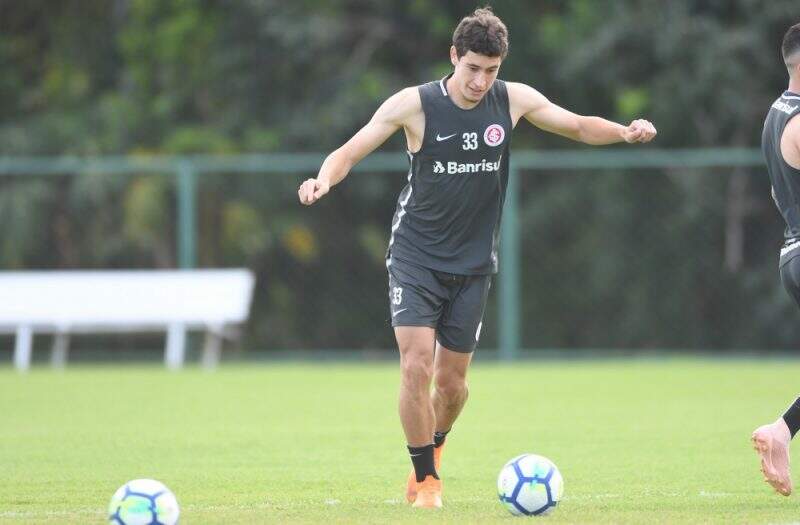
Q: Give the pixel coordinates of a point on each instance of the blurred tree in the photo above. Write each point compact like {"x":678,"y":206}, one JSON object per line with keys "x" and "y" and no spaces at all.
{"x":145,"y":77}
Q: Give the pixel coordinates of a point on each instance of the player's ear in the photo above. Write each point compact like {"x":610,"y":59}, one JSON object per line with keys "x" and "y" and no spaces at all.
{"x":453,"y":56}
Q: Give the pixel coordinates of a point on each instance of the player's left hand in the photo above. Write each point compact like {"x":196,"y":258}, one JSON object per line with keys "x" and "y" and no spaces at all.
{"x":639,"y":130}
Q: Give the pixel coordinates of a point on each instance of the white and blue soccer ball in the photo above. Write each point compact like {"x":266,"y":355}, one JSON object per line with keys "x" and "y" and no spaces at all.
{"x":530,"y":485}
{"x":143,"y":502}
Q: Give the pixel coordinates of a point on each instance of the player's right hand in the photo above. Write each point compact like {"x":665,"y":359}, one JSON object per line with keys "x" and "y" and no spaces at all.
{"x":312,"y":190}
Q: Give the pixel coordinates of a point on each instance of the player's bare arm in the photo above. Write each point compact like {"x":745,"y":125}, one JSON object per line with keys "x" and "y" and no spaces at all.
{"x":790,"y":143}
{"x":401,"y":110}
{"x":527,"y":102}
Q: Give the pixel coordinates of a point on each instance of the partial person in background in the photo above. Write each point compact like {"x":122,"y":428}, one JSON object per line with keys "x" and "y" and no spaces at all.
{"x":780,"y":142}
{"x":444,"y":236}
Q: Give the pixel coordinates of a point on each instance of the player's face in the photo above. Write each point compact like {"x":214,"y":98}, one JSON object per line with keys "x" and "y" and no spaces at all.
{"x":474,"y":73}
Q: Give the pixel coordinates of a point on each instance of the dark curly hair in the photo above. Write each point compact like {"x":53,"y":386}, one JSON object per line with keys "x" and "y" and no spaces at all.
{"x":481,"y":32}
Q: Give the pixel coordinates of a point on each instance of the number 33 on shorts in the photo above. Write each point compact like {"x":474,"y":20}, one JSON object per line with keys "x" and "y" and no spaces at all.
{"x":397,"y":295}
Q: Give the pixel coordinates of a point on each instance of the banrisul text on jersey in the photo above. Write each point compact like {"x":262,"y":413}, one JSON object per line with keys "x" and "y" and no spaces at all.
{"x":448,"y":215}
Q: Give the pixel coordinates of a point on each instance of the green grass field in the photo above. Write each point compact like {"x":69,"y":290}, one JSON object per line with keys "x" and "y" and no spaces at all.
{"x":648,"y":441}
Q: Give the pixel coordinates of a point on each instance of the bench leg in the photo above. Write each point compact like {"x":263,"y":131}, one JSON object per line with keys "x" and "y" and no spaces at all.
{"x":176,"y":346}
{"x":212,"y":347}
{"x":58,"y":356}
{"x":23,"y":348}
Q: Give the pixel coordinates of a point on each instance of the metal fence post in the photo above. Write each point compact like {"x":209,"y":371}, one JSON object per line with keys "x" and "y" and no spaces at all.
{"x":509,"y":307}
{"x":187,"y":223}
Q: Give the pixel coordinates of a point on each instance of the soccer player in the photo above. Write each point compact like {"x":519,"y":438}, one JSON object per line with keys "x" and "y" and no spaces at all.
{"x":780,"y":142}
{"x":444,"y":237}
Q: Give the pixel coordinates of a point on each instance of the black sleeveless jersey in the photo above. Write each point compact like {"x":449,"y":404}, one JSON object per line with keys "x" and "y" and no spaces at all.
{"x":784,"y":178}
{"x":448,"y":215}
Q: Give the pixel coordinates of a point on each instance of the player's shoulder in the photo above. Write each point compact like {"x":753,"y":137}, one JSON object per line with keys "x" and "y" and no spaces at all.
{"x":403,"y":104}
{"x":792,"y":129}
{"x":787,"y":106}
{"x":520,"y":89}
{"x":411,"y":95}
{"x":523,"y":96}
{"x":406,"y":98}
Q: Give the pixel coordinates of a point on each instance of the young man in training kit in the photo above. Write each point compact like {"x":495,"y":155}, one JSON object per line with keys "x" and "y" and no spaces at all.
{"x":444,"y":235}
{"x":780,"y":143}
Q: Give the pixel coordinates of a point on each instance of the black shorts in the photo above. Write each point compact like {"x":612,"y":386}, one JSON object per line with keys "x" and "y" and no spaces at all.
{"x":790,"y":270}
{"x":451,"y":304}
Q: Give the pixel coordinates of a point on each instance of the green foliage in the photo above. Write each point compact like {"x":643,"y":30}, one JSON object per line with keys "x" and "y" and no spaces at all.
{"x":23,"y":224}
{"x":146,"y":212}
{"x":645,"y":253}
{"x":200,"y":139}
{"x":632,"y":103}
{"x":244,"y":236}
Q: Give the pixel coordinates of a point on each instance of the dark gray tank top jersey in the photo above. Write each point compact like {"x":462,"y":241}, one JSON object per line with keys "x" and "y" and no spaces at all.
{"x":448,"y":215}
{"x":784,"y":178}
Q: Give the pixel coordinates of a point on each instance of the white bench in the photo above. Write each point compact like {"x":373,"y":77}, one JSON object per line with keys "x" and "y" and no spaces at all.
{"x":69,"y":302}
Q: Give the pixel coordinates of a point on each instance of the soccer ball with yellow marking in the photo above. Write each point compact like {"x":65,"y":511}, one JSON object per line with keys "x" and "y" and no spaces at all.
{"x":530,"y":485}
{"x":143,"y":502}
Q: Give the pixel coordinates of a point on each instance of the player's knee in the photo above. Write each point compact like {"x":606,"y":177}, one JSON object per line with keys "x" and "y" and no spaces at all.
{"x":416,"y":370}
{"x":452,"y":388}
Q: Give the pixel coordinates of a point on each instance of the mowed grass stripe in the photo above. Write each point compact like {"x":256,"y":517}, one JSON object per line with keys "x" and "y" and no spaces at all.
{"x":658,"y":441}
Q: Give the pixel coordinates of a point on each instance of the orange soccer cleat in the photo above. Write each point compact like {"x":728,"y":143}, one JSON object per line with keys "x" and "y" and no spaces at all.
{"x":411,"y":484}
{"x":429,"y":494}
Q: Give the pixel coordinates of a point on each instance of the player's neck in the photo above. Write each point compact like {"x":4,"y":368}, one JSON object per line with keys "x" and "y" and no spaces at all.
{"x":455,"y":95}
{"x":794,"y":84}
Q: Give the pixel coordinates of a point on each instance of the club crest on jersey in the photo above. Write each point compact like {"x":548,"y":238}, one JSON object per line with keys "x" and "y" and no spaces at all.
{"x":494,"y":135}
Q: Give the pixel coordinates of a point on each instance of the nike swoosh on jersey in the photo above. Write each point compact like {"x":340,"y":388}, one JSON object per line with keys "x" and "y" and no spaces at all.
{"x":439,"y":138}
{"x":399,"y":311}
